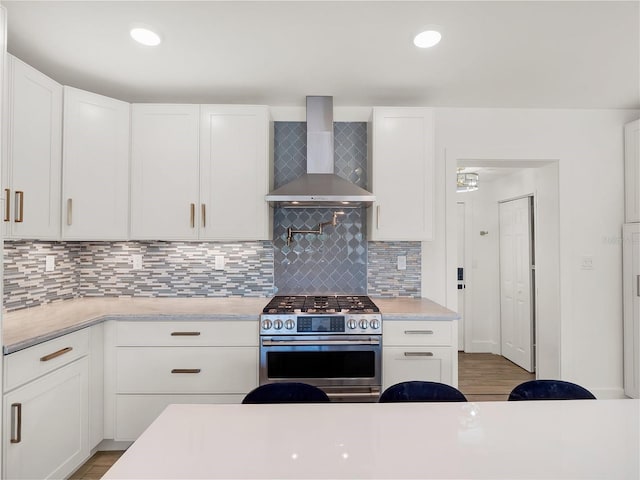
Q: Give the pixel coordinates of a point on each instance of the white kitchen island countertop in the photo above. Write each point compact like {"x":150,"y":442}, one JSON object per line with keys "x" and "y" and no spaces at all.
{"x":596,"y":439}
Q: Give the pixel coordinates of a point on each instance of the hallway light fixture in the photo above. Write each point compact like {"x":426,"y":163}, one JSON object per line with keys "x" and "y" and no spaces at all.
{"x":466,"y":181}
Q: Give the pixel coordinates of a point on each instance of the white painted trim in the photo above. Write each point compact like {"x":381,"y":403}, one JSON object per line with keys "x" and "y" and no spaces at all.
{"x":483,"y":346}
{"x":340,"y":114}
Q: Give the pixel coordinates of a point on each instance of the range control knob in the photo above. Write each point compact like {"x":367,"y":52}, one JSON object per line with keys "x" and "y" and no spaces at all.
{"x":375,"y":323}
{"x":352,"y":324}
{"x":277,"y":324}
{"x":266,"y":324}
{"x":364,"y":324}
{"x":289,"y":324}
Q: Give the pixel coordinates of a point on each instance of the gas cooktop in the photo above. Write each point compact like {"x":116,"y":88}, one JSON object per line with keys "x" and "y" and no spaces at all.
{"x":321,"y":304}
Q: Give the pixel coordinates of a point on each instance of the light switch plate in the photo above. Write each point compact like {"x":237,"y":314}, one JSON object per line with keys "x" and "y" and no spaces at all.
{"x":402,"y":262}
{"x":219,"y":265}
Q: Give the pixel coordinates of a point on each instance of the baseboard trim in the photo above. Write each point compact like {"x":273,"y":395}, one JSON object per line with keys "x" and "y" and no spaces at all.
{"x":109,"y":444}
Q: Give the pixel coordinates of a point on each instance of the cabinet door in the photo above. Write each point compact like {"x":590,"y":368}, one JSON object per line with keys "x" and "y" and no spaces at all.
{"x":401,"y":364}
{"x":95,"y":200}
{"x":632,"y":171}
{"x":631,"y":294}
{"x":164,"y":173}
{"x":51,"y":412}
{"x":234,"y":172}
{"x":33,"y":159}
{"x":402,"y":174}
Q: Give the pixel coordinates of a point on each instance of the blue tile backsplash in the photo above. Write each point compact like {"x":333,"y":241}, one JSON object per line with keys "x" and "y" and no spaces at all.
{"x":338,"y":261}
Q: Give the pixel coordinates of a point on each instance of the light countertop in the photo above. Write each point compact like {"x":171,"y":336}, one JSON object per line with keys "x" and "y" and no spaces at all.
{"x":497,"y":440}
{"x":27,"y":327}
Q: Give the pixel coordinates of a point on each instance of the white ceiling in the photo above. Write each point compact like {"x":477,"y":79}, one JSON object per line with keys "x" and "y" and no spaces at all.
{"x":575,"y":54}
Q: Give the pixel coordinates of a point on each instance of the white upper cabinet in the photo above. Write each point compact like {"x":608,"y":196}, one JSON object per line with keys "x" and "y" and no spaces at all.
{"x":235,"y":172}
{"x":164,"y":172}
{"x":200,"y":172}
{"x":95,"y":177}
{"x":401,"y":174}
{"x":632,"y":171}
{"x":33,"y":153}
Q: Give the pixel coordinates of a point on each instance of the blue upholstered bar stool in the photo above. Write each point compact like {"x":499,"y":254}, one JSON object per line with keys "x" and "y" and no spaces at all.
{"x":550,"y":390}
{"x":418,"y":391}
{"x":286,"y":392}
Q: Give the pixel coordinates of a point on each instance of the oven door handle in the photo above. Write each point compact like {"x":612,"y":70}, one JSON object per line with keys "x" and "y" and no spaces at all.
{"x":370,"y":394}
{"x":318,"y":343}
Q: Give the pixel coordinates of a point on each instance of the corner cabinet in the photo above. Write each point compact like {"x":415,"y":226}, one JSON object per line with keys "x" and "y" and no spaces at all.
{"x":631,"y":311}
{"x":632,"y":171}
{"x":33,"y":153}
{"x":95,"y":173}
{"x":419,"y":350}
{"x":200,"y":172}
{"x":401,"y":174}
{"x":45,"y":409}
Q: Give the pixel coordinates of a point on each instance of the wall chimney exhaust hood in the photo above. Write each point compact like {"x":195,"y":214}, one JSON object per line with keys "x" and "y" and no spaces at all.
{"x":320,"y":187}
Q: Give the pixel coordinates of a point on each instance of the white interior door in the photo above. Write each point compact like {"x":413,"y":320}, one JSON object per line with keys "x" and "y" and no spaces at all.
{"x":461,"y":274}
{"x":516,"y":312}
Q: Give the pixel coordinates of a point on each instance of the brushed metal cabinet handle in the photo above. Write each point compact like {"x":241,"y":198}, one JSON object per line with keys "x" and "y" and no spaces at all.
{"x":204,"y":215}
{"x":185,"y":370}
{"x":19,"y":214}
{"x":16,"y":422}
{"x":637,"y":285}
{"x":418,"y":332}
{"x":7,"y":204}
{"x":53,"y":355}
{"x":192,"y":215}
{"x":378,"y":217}
{"x":185,"y":334}
{"x":418,"y":354}
{"x":69,"y":211}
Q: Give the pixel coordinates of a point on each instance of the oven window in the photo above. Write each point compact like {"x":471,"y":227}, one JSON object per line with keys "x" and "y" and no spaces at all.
{"x":344,"y":364}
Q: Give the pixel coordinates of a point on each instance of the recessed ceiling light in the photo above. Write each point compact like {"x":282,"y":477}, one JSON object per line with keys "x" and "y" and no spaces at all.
{"x":427,"y":39}
{"x":145,"y":36}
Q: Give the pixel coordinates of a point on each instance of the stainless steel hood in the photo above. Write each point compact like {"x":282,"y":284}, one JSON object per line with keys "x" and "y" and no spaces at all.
{"x":320,"y":187}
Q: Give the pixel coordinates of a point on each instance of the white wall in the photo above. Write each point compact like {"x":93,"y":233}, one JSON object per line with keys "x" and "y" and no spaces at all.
{"x":588,"y":146}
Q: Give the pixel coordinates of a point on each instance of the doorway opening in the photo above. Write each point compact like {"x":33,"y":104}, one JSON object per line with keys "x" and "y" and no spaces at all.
{"x":478,"y":262}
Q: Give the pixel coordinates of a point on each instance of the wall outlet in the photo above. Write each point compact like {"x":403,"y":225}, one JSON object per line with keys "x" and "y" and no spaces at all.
{"x":219,"y":265}
{"x":49,"y":263}
{"x":402,"y":262}
{"x":136,"y":262}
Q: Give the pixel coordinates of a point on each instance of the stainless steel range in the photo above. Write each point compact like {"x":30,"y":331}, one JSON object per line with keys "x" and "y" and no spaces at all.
{"x":333,"y":342}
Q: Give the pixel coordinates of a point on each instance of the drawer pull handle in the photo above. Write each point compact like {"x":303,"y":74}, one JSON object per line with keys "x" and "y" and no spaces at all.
{"x":53,"y":355}
{"x":185,"y":370}
{"x":418,"y":354}
{"x":418,"y":332}
{"x":185,"y":334}
{"x":16,"y":425}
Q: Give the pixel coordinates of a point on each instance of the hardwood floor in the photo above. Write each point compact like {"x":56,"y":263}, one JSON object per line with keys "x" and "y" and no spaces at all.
{"x":482,"y":377}
{"x":485,"y":377}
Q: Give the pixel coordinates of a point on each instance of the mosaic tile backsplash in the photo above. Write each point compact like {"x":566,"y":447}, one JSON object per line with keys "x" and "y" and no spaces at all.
{"x":336,"y":260}
{"x":385,"y":280}
{"x":170,"y":269}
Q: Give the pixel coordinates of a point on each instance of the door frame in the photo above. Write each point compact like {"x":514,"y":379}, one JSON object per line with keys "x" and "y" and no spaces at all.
{"x":549,"y":324}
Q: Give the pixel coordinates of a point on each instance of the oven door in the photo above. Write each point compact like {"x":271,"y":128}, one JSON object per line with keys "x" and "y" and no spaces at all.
{"x":346,"y":367}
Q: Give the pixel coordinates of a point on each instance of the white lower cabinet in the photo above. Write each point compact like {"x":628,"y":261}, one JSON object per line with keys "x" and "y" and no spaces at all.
{"x":156,"y":363}
{"x":631,"y":296}
{"x":419,"y":350}
{"x":46,"y":418}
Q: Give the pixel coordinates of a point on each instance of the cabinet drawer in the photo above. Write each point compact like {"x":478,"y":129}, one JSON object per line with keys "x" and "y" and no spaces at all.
{"x":417,"y":333}
{"x":134,"y":413}
{"x":25,"y":365}
{"x":213,"y":333}
{"x":186,"y":369}
{"x":402,"y":364}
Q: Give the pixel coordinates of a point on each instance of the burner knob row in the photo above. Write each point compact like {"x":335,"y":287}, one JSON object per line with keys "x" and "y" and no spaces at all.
{"x":277,"y":324}
{"x":364,"y":323}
